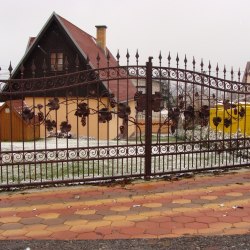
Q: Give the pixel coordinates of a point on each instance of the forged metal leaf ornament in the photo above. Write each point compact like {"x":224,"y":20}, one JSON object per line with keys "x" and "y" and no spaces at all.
{"x":157,"y":102}
{"x":50,"y":125}
{"x":140,"y":99}
{"x":227,"y":122}
{"x":65,"y":127}
{"x":83,"y":121}
{"x":189,"y":113}
{"x":53,"y":104}
{"x":122,"y":129}
{"x":39,"y":106}
{"x":174,"y":114}
{"x":242,"y":112}
{"x":40,"y":116}
{"x":226,"y":104}
{"x":181,"y":104}
{"x":216,"y":121}
{"x":82,"y":110}
{"x":204,"y":114}
{"x":27,"y":114}
{"x":104,"y":115}
{"x":112,"y":103}
{"x":123,"y":111}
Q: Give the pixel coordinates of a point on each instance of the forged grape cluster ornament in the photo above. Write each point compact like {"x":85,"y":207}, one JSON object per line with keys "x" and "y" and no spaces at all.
{"x":82,"y":111}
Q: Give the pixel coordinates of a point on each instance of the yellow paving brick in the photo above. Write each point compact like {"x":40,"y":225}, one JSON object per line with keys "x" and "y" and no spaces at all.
{"x":58,"y":206}
{"x":16,"y":232}
{"x":58,"y":228}
{"x":82,"y":228}
{"x":123,"y":199}
{"x":210,"y":231}
{"x":216,"y":206}
{"x":233,"y":231}
{"x":209,"y":197}
{"x":75,"y":222}
{"x":85,"y":211}
{"x":38,"y":233}
{"x":98,"y":202}
{"x":182,"y":231}
{"x":120,"y":208}
{"x":138,"y":197}
{"x":168,"y":236}
{"x":42,"y":207}
{"x":9,"y":219}
{"x":114,"y":217}
{"x":20,"y":209}
{"x":152,"y":205}
{"x":89,"y":227}
{"x":220,"y":225}
{"x":234,"y":194}
{"x":242,"y":225}
{"x":100,"y":223}
{"x":136,"y":217}
{"x":181,"y":201}
{"x":93,"y":203}
{"x":49,"y":215}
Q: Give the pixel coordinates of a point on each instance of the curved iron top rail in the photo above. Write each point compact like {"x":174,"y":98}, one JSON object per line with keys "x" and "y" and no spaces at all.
{"x":71,"y":80}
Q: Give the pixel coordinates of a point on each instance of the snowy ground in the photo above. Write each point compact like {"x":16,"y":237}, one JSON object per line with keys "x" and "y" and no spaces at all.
{"x":59,"y":159}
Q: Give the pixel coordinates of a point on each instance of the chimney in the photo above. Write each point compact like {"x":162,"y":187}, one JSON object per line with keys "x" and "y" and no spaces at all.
{"x":101,"y":36}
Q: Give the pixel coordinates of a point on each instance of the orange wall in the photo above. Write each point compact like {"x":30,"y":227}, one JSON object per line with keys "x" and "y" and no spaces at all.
{"x":93,"y":128}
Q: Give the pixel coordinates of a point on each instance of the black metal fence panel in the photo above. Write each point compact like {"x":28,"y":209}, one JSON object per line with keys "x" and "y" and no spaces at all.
{"x":122,"y":122}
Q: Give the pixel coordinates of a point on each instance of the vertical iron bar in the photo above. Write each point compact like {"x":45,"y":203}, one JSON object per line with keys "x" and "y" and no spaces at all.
{"x":148,"y":125}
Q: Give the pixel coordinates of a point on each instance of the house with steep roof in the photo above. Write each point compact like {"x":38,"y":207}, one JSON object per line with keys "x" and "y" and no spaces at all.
{"x":63,"y":48}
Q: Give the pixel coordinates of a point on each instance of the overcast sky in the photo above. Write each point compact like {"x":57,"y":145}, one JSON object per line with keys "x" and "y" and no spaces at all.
{"x":215,"y":30}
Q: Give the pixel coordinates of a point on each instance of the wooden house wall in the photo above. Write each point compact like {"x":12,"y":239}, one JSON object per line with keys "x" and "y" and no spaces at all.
{"x":13,"y":128}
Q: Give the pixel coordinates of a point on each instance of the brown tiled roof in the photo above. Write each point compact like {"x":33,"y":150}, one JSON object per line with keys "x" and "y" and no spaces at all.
{"x":88,"y":47}
{"x":30,"y":42}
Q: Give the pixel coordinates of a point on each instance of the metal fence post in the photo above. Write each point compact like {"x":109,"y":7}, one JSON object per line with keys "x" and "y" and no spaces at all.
{"x":148,"y":119}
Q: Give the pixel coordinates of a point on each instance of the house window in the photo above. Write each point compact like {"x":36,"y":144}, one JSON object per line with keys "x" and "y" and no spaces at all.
{"x":56,"y":61}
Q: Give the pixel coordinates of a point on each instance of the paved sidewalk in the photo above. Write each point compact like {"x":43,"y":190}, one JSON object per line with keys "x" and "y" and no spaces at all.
{"x":203,"y":205}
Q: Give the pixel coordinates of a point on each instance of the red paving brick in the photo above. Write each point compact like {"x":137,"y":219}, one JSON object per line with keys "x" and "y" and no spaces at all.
{"x":206,"y":205}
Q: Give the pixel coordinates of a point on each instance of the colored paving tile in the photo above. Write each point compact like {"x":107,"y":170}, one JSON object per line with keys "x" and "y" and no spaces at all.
{"x":202,"y":206}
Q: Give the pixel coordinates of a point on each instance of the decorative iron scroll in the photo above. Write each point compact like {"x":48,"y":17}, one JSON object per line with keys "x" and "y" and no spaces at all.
{"x":24,"y":86}
{"x":199,"y":79}
{"x":70,"y":154}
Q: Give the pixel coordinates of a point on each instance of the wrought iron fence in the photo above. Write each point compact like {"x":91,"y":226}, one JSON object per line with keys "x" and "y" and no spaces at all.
{"x":97,"y":124}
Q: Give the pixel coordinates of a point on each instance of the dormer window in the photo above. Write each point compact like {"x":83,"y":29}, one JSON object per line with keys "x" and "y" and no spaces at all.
{"x":56,"y":61}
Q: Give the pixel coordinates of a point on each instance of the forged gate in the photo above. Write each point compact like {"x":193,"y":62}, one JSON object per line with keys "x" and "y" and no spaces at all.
{"x":159,"y":120}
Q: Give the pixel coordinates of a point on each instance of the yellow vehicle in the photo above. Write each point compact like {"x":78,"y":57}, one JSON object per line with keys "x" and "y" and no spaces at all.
{"x":231,"y":117}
